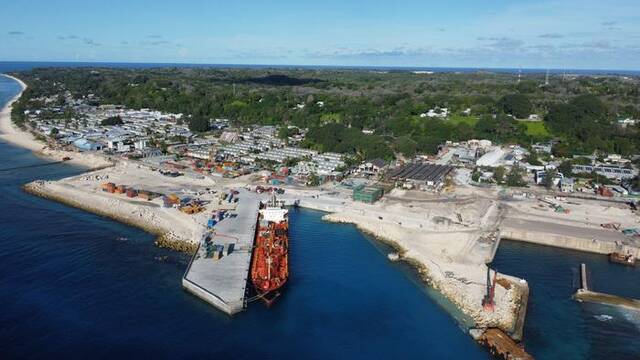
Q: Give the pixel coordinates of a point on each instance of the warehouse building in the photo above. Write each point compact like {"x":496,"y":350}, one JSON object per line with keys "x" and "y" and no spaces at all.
{"x":423,"y":176}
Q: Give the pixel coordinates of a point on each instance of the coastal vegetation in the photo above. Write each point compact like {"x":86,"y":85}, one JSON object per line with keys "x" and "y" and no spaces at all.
{"x":366,"y":113}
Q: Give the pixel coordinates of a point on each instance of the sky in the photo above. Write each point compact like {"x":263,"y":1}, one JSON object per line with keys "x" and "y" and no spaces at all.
{"x":558,"y":34}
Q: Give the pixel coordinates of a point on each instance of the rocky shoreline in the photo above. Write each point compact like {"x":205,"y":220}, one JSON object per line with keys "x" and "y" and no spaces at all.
{"x":165,"y":239}
{"x":512,"y":324}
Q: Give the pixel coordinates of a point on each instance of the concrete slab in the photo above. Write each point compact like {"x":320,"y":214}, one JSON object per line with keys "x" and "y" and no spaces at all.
{"x":223,"y":282}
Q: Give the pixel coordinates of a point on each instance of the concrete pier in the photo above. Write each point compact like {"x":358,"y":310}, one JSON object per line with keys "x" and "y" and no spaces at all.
{"x":584,"y":294}
{"x":593,"y":240}
{"x":583,"y":276}
{"x":221,"y":279}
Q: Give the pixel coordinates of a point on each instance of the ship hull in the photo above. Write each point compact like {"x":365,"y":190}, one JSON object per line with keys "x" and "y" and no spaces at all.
{"x":270,"y":261}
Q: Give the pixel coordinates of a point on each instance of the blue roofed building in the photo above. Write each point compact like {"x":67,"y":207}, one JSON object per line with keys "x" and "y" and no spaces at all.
{"x":88,"y":145}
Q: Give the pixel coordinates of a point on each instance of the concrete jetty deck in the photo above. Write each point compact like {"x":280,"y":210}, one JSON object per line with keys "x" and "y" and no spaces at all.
{"x":223,"y":282}
{"x":584,"y":294}
{"x":594,"y":240}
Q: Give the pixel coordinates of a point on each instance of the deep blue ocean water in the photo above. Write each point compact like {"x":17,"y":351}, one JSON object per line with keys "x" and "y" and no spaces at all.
{"x":558,"y":327}
{"x":74,"y":285}
{"x":27,"y":65}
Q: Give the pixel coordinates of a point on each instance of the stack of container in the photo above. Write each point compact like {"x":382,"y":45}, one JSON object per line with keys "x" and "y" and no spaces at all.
{"x":132,"y":192}
{"x":109,"y":187}
{"x":145,"y":195}
{"x":120,"y":189}
{"x":170,"y":200}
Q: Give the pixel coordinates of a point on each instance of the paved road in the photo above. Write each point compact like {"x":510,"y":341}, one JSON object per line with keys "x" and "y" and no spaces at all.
{"x":566,"y":230}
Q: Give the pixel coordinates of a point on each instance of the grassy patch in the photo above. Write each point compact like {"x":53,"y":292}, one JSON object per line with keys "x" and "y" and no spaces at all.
{"x":459,"y":119}
{"x":536,"y":129}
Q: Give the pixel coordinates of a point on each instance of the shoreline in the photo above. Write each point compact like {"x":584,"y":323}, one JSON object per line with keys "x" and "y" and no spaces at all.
{"x":164,"y":237}
{"x":13,"y":135}
{"x":460,"y":283}
{"x":512,"y":303}
{"x":449,"y":256}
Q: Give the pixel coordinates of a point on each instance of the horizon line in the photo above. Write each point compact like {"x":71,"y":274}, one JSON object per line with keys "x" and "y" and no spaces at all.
{"x":392,"y":67}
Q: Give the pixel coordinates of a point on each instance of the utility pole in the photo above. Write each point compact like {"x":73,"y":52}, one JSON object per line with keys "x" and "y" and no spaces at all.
{"x":546,"y":79}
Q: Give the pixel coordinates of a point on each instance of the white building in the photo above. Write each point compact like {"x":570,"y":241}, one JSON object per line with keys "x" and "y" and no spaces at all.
{"x":141,"y":144}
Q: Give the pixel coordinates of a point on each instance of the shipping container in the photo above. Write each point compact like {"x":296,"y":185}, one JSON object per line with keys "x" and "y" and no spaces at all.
{"x":145,"y":195}
{"x":109,"y":187}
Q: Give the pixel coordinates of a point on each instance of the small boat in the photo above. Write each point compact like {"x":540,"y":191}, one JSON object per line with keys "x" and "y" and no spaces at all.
{"x":66,"y":158}
{"x":624,"y":259}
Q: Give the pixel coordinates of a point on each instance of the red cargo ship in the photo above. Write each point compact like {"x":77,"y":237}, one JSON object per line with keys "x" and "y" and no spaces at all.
{"x":270,"y":263}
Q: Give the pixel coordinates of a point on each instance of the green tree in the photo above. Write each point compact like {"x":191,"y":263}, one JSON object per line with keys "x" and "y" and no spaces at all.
{"x":517,"y":105}
{"x":560,"y":150}
{"x":112,"y":121}
{"x":550,"y":175}
{"x":284,"y":132}
{"x":313,"y":180}
{"x":635,"y":183}
{"x":199,"y":124}
{"x":566,"y":168}
{"x":406,"y":146}
{"x":475,"y":176}
{"x":516,"y":177}
{"x":498,"y":174}
{"x":533,"y":159}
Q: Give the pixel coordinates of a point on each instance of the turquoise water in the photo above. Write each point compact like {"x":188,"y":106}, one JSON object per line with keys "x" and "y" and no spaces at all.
{"x":74,"y":285}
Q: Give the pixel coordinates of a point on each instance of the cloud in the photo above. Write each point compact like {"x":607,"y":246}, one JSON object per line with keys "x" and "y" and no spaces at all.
{"x":90,"y":42}
{"x":501,"y":43}
{"x":611,"y":25}
{"x":370,"y":53}
{"x":15,"y":33}
{"x":155,"y":40}
{"x":159,"y":42}
{"x":551,"y":36}
{"x":592,"y":45}
{"x":598,"y":44}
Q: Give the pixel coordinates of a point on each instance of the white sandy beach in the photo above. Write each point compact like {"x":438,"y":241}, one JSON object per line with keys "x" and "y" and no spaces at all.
{"x":10,"y":133}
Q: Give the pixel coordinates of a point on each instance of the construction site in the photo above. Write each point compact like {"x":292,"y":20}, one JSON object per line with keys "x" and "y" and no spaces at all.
{"x":450,"y":236}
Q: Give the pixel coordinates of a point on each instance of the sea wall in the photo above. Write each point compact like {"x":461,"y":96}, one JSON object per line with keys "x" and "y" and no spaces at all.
{"x":166,"y":238}
{"x":509,"y":315}
{"x":562,"y":241}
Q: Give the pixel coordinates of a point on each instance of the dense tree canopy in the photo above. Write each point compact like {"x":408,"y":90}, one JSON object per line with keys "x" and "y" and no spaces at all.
{"x":517,"y":105}
{"x":586,"y":125}
{"x":112,"y":121}
{"x":337,"y":105}
{"x":198,"y":124}
{"x":338,"y":138}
